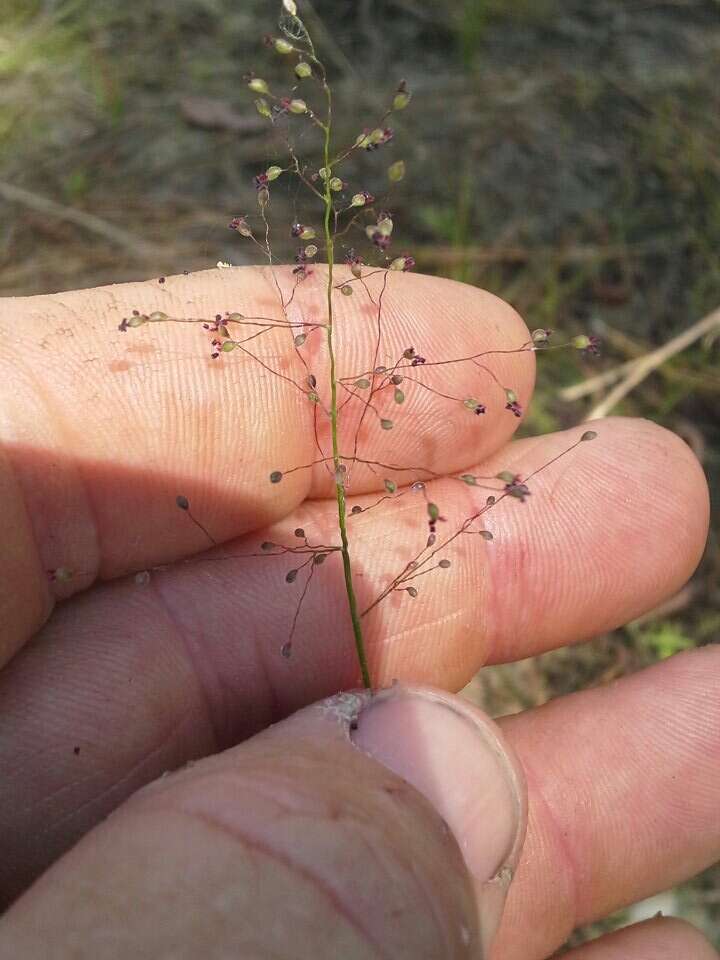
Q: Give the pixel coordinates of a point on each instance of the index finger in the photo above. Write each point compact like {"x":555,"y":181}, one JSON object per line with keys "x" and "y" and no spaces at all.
{"x":103,"y":429}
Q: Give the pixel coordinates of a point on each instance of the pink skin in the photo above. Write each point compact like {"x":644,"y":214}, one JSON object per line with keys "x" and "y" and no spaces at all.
{"x":146,"y":676}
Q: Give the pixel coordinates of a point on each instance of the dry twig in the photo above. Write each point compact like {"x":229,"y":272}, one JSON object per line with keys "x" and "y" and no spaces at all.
{"x":88,"y":221}
{"x":637,"y":370}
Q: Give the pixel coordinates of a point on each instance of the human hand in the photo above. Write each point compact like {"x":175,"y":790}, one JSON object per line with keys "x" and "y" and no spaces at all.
{"x":297,"y":843}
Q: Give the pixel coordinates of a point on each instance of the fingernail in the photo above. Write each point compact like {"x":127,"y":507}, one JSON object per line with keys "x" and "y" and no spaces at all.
{"x":456,"y":757}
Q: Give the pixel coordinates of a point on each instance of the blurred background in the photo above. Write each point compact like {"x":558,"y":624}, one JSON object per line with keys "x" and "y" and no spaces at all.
{"x":560,"y":153}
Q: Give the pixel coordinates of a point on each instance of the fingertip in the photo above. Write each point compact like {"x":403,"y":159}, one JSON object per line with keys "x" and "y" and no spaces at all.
{"x":661,"y":938}
{"x":664,"y":474}
{"x":469,"y":345}
{"x":615,"y":527}
{"x":456,"y":757}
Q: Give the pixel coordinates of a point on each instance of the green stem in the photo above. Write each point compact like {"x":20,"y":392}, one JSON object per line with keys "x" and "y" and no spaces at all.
{"x":339,"y":488}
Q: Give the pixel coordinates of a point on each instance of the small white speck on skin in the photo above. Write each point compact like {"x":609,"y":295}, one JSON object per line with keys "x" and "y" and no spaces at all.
{"x":345,"y":707}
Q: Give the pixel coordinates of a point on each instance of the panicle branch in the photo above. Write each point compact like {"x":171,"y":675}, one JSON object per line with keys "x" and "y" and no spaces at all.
{"x":344,"y":201}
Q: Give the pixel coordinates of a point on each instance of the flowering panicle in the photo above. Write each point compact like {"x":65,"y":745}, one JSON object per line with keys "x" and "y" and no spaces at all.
{"x":354,"y":231}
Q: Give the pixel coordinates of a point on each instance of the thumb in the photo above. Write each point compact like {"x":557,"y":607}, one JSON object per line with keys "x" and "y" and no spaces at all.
{"x":364,"y":826}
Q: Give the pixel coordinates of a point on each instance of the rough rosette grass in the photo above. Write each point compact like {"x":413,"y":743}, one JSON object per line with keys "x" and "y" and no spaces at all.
{"x":345,"y":231}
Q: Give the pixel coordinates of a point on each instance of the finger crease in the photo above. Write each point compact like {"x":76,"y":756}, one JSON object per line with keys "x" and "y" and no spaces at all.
{"x":196,"y":668}
{"x":254,"y":846}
